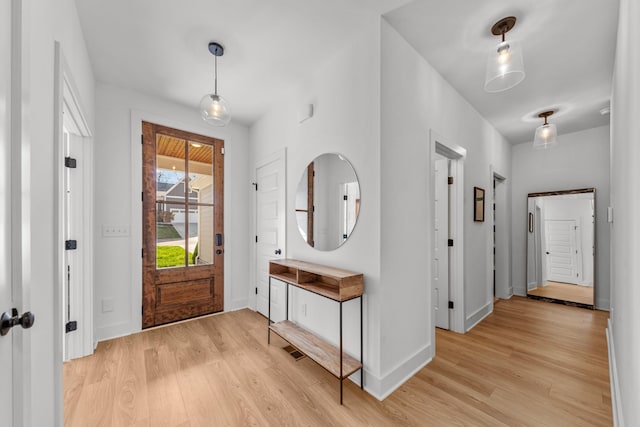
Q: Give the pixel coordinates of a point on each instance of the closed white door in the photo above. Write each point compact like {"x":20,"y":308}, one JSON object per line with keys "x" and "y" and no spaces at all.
{"x":440,"y":273}
{"x":270,"y":231}
{"x":561,"y":251}
{"x":6,"y":301}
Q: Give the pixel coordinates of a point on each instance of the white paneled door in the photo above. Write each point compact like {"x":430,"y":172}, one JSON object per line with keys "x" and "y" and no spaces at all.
{"x":13,"y":354}
{"x":561,"y":251}
{"x":270,"y":230}
{"x":440,"y":270}
{"x":6,"y":301}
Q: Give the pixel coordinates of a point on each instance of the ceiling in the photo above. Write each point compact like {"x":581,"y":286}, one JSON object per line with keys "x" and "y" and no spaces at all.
{"x":159,"y":47}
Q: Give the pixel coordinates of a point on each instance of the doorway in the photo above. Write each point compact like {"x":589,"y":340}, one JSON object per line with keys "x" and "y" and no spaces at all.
{"x":448,"y":304}
{"x":183,"y":244}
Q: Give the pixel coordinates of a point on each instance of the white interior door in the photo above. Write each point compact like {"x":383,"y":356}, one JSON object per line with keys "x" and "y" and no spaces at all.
{"x":6,"y":300}
{"x":270,"y":231}
{"x":561,"y":251}
{"x":440,"y":282}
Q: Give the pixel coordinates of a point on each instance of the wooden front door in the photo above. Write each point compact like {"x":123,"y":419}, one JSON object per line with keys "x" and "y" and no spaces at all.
{"x":183,"y":245}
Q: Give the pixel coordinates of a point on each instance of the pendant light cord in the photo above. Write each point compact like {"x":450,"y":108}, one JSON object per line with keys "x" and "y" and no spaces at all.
{"x":215,"y":84}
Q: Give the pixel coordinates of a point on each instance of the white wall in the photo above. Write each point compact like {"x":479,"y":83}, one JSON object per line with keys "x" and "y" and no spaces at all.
{"x":415,"y":99}
{"x":578,"y":161}
{"x":45,"y":22}
{"x":624,"y":333}
{"x":117,"y":184}
{"x":345,"y":94}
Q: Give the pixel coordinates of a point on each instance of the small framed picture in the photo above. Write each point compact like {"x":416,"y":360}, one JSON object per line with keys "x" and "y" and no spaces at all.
{"x":478,"y":204}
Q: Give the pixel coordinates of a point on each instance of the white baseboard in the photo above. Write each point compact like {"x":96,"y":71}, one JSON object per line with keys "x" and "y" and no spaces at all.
{"x":382,"y":387}
{"x":616,"y":404}
{"x":238,"y":304}
{"x":477,"y":316}
{"x":521,"y":292}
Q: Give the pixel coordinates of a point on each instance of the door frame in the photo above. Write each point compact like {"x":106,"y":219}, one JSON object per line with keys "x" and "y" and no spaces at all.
{"x":134,"y":323}
{"x":66,"y":99}
{"x":503,"y":244}
{"x":253,"y":276}
{"x":457,"y":155}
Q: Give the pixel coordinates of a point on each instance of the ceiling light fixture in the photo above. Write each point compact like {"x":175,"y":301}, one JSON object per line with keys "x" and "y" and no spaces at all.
{"x":213,"y":107}
{"x":505,"y":67}
{"x":547,"y":134}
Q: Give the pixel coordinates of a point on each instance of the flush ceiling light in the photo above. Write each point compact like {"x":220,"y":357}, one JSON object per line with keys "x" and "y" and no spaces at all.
{"x":213,"y":107}
{"x":505,"y":67}
{"x":547,"y":134}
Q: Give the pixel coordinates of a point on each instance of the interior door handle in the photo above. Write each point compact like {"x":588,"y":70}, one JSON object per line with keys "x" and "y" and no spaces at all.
{"x":278,"y":252}
{"x":9,"y":321}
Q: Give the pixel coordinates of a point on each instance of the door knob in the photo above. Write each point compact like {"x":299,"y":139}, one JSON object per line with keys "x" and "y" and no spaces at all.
{"x":9,"y":321}
{"x":278,"y":252}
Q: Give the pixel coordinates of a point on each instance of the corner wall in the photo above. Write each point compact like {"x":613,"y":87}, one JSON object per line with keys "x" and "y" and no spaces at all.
{"x":345,"y":94}
{"x":414,"y":100}
{"x":46,"y":21}
{"x":117,"y":265}
{"x":624,"y":332}
{"x":580,"y":160}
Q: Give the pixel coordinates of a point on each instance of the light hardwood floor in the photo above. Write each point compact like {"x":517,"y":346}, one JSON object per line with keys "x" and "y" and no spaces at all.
{"x":529,"y":363}
{"x":565,"y":292}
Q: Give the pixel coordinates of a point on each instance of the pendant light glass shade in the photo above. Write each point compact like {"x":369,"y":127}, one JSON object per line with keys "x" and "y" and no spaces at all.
{"x":546,"y":136}
{"x":505,"y":67}
{"x":215,"y":110}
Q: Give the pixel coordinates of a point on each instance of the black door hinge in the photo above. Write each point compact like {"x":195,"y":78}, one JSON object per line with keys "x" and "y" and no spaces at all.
{"x":451,"y":304}
{"x":71,"y":245}
{"x":450,"y":180}
{"x":141,"y":139}
{"x":256,"y":291}
{"x":70,"y":162}
{"x":344,"y":236}
{"x":71,"y":326}
{"x":345,"y":197}
{"x":142,"y":253}
{"x":256,"y":239}
{"x":450,"y":243}
{"x":255,"y":184}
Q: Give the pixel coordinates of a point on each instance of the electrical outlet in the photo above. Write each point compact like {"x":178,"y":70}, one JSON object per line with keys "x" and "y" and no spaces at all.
{"x":115,"y":230}
{"x":107,"y":305}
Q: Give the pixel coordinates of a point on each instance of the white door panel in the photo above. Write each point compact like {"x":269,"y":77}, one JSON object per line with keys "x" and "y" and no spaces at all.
{"x":6,"y":300}
{"x":270,"y":231}
{"x":561,"y":251}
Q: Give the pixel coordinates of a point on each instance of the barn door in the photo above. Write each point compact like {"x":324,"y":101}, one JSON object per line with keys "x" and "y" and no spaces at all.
{"x":183,"y":244}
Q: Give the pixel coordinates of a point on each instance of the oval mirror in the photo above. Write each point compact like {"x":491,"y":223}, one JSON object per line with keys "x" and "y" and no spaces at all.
{"x":327,"y":202}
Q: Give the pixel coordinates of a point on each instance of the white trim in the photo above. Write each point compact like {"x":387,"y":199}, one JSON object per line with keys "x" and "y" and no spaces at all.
{"x":66,"y":98}
{"x":457,"y":155}
{"x":382,"y":387}
{"x":616,"y":403}
{"x":478,"y":316}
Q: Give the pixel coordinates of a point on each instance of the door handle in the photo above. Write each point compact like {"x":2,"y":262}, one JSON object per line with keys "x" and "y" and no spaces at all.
{"x":7,"y":322}
{"x":278,"y":252}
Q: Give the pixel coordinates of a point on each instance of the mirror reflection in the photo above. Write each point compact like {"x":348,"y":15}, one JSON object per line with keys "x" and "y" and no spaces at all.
{"x":561,"y":246}
{"x":327,"y":202}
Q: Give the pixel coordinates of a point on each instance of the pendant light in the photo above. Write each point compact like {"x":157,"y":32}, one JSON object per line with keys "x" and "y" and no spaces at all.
{"x":214,"y":108}
{"x":547,"y":134}
{"x":505,"y":67}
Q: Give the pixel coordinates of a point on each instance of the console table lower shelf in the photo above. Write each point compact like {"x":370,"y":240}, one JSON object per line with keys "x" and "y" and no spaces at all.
{"x":317,"y":349}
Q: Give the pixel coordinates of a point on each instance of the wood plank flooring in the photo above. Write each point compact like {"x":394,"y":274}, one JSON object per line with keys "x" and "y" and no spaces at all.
{"x":565,"y":292}
{"x":530,"y":363}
